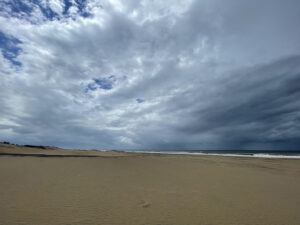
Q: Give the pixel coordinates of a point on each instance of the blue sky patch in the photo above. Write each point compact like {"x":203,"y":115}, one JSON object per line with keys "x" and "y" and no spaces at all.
{"x":9,"y":48}
{"x":68,"y":5}
{"x":102,"y":83}
{"x":139,"y":100}
{"x":16,"y":7}
{"x":19,"y":8}
{"x":81,"y":6}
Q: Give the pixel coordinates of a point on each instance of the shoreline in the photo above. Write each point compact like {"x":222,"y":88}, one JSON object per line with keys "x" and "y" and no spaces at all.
{"x":45,"y":151}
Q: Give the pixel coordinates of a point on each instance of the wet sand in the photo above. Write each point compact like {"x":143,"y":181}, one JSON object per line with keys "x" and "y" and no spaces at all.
{"x":114,"y":188}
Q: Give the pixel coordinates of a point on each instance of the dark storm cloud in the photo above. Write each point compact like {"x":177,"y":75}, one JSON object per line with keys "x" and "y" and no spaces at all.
{"x":192,"y":75}
{"x":255,"y":109}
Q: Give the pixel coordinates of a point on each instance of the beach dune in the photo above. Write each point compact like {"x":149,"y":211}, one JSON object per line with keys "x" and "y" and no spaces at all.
{"x":55,"y":186}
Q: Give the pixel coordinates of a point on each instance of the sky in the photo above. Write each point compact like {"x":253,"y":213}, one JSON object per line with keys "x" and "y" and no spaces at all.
{"x":151,"y":74}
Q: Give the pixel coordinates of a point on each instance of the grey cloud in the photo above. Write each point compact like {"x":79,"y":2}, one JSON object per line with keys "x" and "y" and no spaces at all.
{"x":256,"y":109}
{"x":213,"y":74}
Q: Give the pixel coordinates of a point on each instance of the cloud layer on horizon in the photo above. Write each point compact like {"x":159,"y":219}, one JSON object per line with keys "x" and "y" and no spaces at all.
{"x":150,"y":75}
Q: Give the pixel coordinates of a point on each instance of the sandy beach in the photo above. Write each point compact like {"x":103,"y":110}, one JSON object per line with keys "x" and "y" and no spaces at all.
{"x":68,"y":187}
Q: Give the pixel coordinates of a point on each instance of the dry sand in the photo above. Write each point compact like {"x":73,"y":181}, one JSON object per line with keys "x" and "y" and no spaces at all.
{"x":118,"y":188}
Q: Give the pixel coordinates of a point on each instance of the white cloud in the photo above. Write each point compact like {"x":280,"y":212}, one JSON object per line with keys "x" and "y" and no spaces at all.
{"x":57,"y":6}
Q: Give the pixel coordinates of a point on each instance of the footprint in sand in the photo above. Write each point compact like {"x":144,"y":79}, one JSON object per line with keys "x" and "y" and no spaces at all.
{"x":145,"y":204}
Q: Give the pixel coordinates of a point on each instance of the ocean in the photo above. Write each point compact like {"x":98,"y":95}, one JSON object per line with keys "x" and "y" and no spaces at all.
{"x":232,"y":153}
